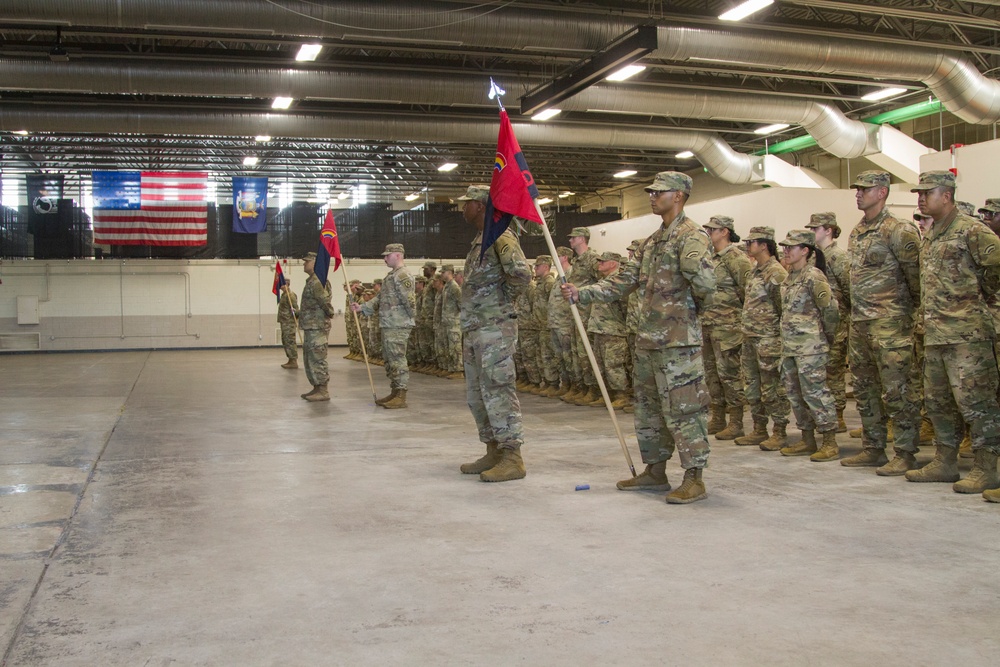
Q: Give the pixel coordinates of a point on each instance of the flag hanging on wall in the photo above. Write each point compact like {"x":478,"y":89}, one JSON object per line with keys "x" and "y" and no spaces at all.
{"x":329,"y":246}
{"x":163,"y":208}
{"x":512,"y":190}
{"x":279,"y":280}
{"x":44,"y":192}
{"x":249,"y":204}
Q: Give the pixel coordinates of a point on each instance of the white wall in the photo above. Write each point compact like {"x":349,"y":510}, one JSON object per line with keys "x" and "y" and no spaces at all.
{"x":976,"y":179}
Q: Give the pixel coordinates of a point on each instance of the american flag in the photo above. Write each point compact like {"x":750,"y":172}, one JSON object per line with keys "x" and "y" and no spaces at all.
{"x":173,"y":211}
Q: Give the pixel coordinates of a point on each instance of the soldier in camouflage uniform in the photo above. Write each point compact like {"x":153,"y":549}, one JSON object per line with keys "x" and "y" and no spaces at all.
{"x":761,"y":354}
{"x":367,"y":294}
{"x":413,"y":346}
{"x":353,"y":293}
{"x":490,"y":329}
{"x":809,"y":319}
{"x":425,"y":320}
{"x":545,"y":280}
{"x":585,"y":272}
{"x":396,"y":305}
{"x":674,"y":276}
{"x":990,"y":215}
{"x":288,"y":304}
{"x":838,"y":273}
{"x":631,"y":324}
{"x":961,"y":264}
{"x":561,"y":327}
{"x":607,"y":326}
{"x":722,"y":329}
{"x":522,"y":310}
{"x":440,"y":334}
{"x":314,"y":320}
{"x":375,"y":330}
{"x":885,"y":295}
{"x":451,"y":326}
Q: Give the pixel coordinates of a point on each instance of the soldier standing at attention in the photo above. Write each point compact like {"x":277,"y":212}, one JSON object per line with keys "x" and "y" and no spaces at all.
{"x":674,"y":276}
{"x":761,"y":355}
{"x":838,"y":273}
{"x":885,"y":294}
{"x":607,"y":326}
{"x":544,"y":282}
{"x":396,"y":305}
{"x":561,"y":329}
{"x":631,"y":322}
{"x":961,"y":258}
{"x":490,"y":329}
{"x":412,"y":346}
{"x":722,"y":330}
{"x":288,"y":304}
{"x":425,"y":320}
{"x":451,"y":325}
{"x":314,"y":320}
{"x":809,"y":319}
{"x":585,"y":272}
{"x":376,"y":327}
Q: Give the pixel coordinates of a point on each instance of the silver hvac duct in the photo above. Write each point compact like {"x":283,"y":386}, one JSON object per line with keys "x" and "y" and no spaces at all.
{"x":714,"y":153}
{"x":955,"y":81}
{"x":832,"y":130}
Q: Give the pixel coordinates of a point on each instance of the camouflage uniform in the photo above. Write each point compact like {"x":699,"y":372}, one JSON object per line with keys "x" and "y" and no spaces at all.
{"x":451,"y":327}
{"x":287,"y":305}
{"x":838,"y":273}
{"x":396,"y":305}
{"x":314,"y":320}
{"x":350,"y":328}
{"x":375,"y":330}
{"x":673,"y":274}
{"x":885,"y":293}
{"x":585,"y":273}
{"x":809,"y":319}
{"x":546,"y":361}
{"x":490,"y":329}
{"x":761,"y":355}
{"x":425,"y":321}
{"x":413,"y":345}
{"x":440,"y":334}
{"x":527,"y":341}
{"x":607,"y":326}
{"x":561,"y":327}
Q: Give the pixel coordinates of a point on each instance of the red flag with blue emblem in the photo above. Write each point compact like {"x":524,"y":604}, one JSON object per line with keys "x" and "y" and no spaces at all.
{"x":279,"y":280}
{"x":329,"y":246}
{"x":512,"y":190}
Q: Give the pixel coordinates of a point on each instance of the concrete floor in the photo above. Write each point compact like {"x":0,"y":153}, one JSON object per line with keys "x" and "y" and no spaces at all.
{"x":187,"y":508}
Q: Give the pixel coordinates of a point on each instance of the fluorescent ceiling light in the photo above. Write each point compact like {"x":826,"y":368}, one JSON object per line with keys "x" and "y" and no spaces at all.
{"x":412,"y":197}
{"x":447,"y":166}
{"x":625,"y":72}
{"x":23,"y":133}
{"x":262,"y":137}
{"x":342,"y":196}
{"x":308,"y":52}
{"x":740,"y":12}
{"x":626,"y":173}
{"x":877,"y":95}
{"x":683,"y":155}
{"x":546,"y":114}
{"x":563,"y":195}
{"x":771,"y":129}
{"x":249,"y":161}
{"x":282,"y":102}
{"x":544,"y":200}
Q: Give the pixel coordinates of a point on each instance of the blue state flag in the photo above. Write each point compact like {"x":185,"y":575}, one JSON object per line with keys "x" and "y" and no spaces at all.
{"x":249,"y":205}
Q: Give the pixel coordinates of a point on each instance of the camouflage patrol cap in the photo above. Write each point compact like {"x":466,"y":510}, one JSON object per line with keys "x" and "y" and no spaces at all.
{"x":799,"y":237}
{"x":934,"y":179}
{"x":377,"y":281}
{"x":543,"y":259}
{"x":478,"y":193}
{"x":580,"y":231}
{"x":670,"y":180}
{"x":760,"y":234}
{"x":421,"y":280}
{"x":459,"y":272}
{"x":991,"y":206}
{"x":966,"y":207}
{"x":825,"y":219}
{"x":634,"y":245}
{"x":430,"y":265}
{"x":368,"y":292}
{"x":355,"y":282}
{"x":871,"y":178}
{"x":720,"y":222}
{"x":563,"y":251}
{"x":309,"y":257}
{"x":920,"y":217}
{"x":447,"y":267}
{"x":610,"y":257}
{"x":393,"y":247}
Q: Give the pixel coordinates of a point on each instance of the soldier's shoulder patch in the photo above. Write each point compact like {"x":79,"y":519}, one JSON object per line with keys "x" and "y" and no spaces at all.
{"x":407,"y":283}
{"x":988,"y":250}
{"x":694,"y":254}
{"x":912,"y":245}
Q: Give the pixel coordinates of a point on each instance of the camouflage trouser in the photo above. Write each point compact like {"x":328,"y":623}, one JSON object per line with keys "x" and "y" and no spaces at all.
{"x":630,"y":365}
{"x":960,"y":387}
{"x":528,"y":339}
{"x":314,"y":350}
{"x":351,"y":331}
{"x":425,"y":344}
{"x":882,"y":363}
{"x":612,"y":356}
{"x":412,"y":350}
{"x":394,"y":347}
{"x":805,"y":384}
{"x":836,"y":368}
{"x":453,"y":349}
{"x":671,"y":405}
{"x":547,"y":362}
{"x":376,"y":350}
{"x":582,"y":358}
{"x":488,"y":354}
{"x":288,"y":340}
{"x":562,"y":347}
{"x":722,"y":372}
{"x":763,"y":388}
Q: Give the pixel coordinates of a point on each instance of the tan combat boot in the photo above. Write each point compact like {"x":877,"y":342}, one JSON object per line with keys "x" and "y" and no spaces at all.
{"x":735,"y":427}
{"x":758,"y":436}
{"x":551,"y":390}
{"x":619,"y":399}
{"x":483,"y":463}
{"x":983,"y":475}
{"x":927,"y":433}
{"x":856,"y":432}
{"x":571,"y":395}
{"x":993,"y":495}
{"x":386,"y":399}
{"x":717,"y":421}
{"x":321,"y":394}
{"x":592,"y":394}
{"x":777,"y":439}
{"x":653,"y":478}
{"x":521,"y":385}
{"x":291,"y":363}
{"x":690,"y":490}
{"x":804,"y":447}
{"x":841,"y":424}
{"x":511,"y":467}
{"x":396,"y":402}
{"x":900,"y":463}
{"x":455,"y":375}
{"x":311,"y":392}
{"x":829,"y":450}
{"x":965,"y":448}
{"x":564,"y":389}
{"x":944,"y":467}
{"x":868,"y":457}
